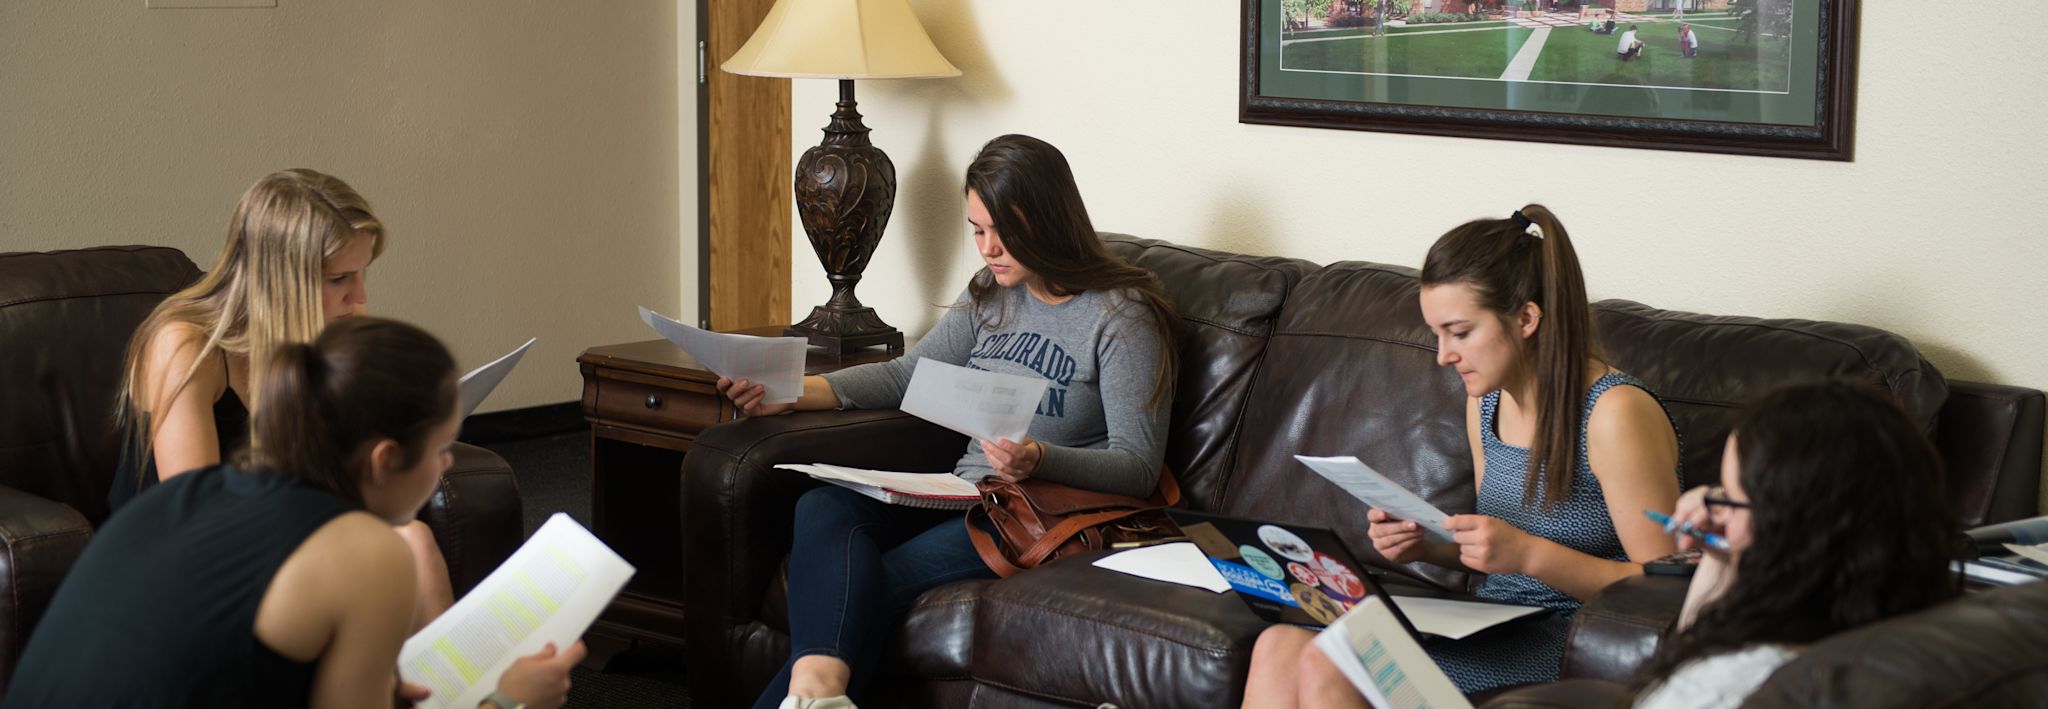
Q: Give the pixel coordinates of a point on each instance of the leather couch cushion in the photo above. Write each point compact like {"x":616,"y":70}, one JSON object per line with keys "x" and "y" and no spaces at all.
{"x":1351,"y":370}
{"x":1074,"y":633}
{"x":1705,"y":367}
{"x":69,"y":315}
{"x":1228,"y":302}
{"x":1986,"y":650}
{"x":936,"y":639}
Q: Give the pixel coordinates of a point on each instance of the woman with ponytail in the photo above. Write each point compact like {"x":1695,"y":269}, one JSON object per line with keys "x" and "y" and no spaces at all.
{"x":1836,"y":513}
{"x":276,"y":580}
{"x":1567,"y":452}
{"x":298,"y":249}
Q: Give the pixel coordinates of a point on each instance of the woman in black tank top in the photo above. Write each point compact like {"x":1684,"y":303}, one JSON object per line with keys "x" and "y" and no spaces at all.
{"x":276,"y":580}
{"x":298,"y":247}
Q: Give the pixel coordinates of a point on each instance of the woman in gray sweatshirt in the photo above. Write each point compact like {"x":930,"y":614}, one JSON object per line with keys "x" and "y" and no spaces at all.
{"x":1051,"y":303}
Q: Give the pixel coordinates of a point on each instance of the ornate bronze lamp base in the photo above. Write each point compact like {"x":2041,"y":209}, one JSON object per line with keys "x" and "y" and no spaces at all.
{"x":845,"y":189}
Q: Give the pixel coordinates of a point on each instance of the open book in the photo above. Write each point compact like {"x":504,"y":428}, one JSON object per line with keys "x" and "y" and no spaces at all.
{"x":942,"y":491}
{"x":1384,"y":662}
{"x":548,"y":591}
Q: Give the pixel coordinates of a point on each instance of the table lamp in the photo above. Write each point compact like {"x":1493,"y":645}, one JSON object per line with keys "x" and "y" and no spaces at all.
{"x":845,"y":186}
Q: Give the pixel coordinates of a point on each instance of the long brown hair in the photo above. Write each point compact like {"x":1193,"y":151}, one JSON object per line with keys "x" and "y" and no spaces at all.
{"x":1850,"y":519}
{"x":1031,"y":197}
{"x":262,"y":292}
{"x":363,"y":380}
{"x":1507,"y":266}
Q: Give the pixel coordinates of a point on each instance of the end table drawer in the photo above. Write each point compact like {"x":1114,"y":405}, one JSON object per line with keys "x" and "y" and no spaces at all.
{"x":681,"y":409}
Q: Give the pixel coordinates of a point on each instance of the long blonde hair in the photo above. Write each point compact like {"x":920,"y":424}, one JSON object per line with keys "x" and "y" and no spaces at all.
{"x":264,"y":292}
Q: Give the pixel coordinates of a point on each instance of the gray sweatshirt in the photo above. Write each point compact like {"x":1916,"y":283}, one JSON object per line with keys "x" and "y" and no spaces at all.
{"x":1098,"y":351}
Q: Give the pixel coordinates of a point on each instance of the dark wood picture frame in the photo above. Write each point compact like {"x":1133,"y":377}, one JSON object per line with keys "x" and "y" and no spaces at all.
{"x":1828,"y":138}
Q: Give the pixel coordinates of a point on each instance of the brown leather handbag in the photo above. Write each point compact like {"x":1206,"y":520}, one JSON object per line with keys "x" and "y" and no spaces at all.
{"x":1036,"y":521}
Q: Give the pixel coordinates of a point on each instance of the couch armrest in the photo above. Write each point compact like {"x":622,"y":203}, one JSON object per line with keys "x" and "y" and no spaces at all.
{"x":39,"y":541}
{"x":1620,"y":628}
{"x":737,"y":513}
{"x":476,"y":515}
{"x":1989,"y":436}
{"x":1589,"y":693}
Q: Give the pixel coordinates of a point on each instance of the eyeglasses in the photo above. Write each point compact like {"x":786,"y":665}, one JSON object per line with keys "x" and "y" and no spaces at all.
{"x":1718,"y":497}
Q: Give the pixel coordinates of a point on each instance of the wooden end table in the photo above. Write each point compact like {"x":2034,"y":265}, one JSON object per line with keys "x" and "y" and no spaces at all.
{"x":646,"y":403}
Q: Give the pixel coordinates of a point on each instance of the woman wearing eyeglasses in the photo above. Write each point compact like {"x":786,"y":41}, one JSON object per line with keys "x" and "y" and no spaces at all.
{"x":1835,"y":514}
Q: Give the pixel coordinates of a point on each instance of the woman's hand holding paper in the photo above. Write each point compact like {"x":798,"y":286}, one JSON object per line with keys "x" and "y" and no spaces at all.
{"x":1013,"y":461}
{"x":1399,"y":540}
{"x":747,"y":396}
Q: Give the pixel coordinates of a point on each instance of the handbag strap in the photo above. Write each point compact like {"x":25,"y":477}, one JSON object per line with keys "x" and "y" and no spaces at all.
{"x":985,"y":545}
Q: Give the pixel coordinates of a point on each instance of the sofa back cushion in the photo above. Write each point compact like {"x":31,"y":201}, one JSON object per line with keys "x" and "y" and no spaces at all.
{"x":1228,"y":303}
{"x":1984,"y":650}
{"x":1706,"y":367}
{"x":65,"y":320}
{"x":1351,"y":370}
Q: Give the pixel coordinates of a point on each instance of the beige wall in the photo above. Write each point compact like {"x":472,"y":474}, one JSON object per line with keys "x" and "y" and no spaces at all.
{"x":524,"y":155}
{"x":1936,"y":231}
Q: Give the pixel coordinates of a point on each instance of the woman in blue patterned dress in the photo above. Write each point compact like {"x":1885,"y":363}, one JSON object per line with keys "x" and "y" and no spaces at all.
{"x":1568,"y":451}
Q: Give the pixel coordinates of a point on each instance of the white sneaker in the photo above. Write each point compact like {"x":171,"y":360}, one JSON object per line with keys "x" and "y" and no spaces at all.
{"x":838,"y":702}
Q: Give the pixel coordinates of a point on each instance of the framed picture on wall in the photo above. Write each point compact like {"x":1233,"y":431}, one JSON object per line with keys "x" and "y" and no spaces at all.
{"x":1752,"y":77}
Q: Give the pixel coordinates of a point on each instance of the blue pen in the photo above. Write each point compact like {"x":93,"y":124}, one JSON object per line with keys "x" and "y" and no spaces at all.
{"x":1712,"y":540}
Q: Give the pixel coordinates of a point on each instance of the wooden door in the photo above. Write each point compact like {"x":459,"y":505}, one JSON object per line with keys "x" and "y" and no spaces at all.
{"x":747,"y":178}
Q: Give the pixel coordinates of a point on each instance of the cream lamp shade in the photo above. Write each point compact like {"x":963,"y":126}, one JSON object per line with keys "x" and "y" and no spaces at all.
{"x":840,"y":39}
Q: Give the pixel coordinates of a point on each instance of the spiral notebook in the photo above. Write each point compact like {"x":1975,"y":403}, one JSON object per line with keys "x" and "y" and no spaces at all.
{"x":939,"y":491}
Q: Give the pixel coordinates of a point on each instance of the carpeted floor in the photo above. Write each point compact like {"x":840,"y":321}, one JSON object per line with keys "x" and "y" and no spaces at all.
{"x":554,"y":476}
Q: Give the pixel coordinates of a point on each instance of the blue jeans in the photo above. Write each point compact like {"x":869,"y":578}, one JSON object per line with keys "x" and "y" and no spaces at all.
{"x":857,"y":565}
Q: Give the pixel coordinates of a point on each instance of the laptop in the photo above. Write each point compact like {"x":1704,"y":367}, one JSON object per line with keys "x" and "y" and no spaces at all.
{"x":1306,"y":576}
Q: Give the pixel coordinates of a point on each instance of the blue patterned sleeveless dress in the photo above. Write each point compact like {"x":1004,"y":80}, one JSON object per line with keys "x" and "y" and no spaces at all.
{"x":1533,"y":652}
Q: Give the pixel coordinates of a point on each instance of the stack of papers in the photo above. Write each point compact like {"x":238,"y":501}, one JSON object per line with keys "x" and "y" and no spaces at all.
{"x":984,"y":405}
{"x":548,"y":591}
{"x":1386,"y":664}
{"x":480,"y":382}
{"x":775,"y":363}
{"x":944,"y":491}
{"x":1372,"y":488}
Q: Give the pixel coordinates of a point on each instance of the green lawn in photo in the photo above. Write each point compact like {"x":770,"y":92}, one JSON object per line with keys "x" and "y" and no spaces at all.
{"x":1724,"y":61}
{"x":1481,"y":54}
{"x":1391,"y":29}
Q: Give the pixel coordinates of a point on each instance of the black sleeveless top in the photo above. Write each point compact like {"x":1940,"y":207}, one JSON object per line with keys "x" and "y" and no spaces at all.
{"x":135,"y":474}
{"x":160,"y":611}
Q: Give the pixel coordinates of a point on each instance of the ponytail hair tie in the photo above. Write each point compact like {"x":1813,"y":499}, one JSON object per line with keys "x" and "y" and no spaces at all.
{"x":1528,"y":225}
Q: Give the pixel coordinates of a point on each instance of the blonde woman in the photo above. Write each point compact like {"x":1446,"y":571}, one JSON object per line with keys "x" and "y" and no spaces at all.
{"x":298,"y":248}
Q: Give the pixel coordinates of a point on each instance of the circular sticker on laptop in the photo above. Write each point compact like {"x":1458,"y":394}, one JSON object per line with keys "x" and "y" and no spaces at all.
{"x":1301,"y":573}
{"x":1338,"y":578}
{"x":1260,"y":562}
{"x":1315,"y":603}
{"x":1284,"y":543}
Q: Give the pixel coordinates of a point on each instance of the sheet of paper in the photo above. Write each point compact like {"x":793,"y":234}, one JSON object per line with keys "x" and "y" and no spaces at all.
{"x":479,"y":382}
{"x":1386,"y":665}
{"x":548,"y":591}
{"x":776,"y":363}
{"x":1179,"y":562}
{"x":984,"y":405}
{"x":934,"y":484}
{"x":1452,"y":618}
{"x":2038,"y":552}
{"x":1375,"y":489}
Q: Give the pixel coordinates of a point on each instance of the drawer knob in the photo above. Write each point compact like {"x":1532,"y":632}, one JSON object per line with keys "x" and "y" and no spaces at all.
{"x":653,"y":401}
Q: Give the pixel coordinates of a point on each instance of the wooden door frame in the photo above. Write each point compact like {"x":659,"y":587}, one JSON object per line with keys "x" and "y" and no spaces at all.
{"x":743,"y":178}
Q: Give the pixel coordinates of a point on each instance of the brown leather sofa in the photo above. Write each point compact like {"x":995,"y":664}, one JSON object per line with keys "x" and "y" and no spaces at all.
{"x":1282,"y":357}
{"x":65,"y":320}
{"x":1986,"y":650}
